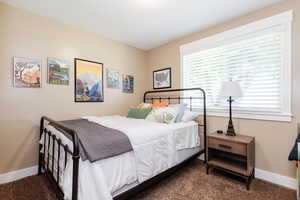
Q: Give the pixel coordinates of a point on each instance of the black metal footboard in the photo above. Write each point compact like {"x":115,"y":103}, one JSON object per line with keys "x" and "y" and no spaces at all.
{"x":49,"y":160}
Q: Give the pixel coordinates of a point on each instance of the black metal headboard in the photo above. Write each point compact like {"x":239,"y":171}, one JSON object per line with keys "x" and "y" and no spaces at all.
{"x":179,"y":98}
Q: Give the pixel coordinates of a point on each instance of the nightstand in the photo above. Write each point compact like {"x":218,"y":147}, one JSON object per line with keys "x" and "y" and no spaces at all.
{"x":232,"y":154}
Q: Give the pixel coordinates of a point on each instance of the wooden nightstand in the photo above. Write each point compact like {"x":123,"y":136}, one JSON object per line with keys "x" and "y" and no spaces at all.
{"x":233,"y":154}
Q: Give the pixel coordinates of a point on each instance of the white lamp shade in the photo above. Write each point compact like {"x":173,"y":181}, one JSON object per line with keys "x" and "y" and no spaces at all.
{"x":231,"y":88}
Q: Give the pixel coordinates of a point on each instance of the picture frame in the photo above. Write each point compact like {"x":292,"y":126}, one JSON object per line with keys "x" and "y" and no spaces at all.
{"x":58,"y":71}
{"x":88,"y":81}
{"x":162,"y":78}
{"x":128,"y":84}
{"x":113,"y":79}
{"x":27,"y":73}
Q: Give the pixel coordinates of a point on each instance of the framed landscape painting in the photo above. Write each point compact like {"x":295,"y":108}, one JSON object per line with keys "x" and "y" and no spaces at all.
{"x":27,"y":73}
{"x":88,"y":81}
{"x":162,"y":79}
{"x":113,"y":78}
{"x":58,"y":71}
{"x":128,"y":84}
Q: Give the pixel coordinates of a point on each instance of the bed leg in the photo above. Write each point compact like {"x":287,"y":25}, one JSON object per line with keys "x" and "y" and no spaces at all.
{"x":40,"y":146}
{"x":40,"y":161}
{"x":40,"y":165}
{"x":207,"y":169}
{"x":75,"y":177}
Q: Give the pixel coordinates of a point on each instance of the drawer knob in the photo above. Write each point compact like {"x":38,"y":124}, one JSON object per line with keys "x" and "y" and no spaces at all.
{"x":224,"y":146}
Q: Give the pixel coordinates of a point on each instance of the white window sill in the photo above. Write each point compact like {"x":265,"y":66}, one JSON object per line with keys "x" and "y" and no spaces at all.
{"x":252,"y":115}
{"x":268,"y":116}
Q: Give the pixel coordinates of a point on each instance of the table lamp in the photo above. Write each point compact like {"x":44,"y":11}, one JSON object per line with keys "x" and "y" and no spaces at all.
{"x":231,"y":89}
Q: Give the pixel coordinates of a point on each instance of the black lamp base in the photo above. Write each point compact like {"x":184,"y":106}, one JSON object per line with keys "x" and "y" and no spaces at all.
{"x":230,"y":129}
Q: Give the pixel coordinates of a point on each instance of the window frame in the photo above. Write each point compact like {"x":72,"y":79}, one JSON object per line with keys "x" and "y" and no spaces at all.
{"x":282,"y":21}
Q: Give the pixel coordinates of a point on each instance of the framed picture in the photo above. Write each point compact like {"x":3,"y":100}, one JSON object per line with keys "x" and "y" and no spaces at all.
{"x":113,"y":78}
{"x":88,"y":81}
{"x":27,"y":73}
{"x":162,"y":79}
{"x":128,"y":84}
{"x":58,"y":71}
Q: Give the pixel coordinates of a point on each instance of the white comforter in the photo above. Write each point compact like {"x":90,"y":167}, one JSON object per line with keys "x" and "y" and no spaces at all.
{"x":153,"y":143}
{"x":154,"y":151}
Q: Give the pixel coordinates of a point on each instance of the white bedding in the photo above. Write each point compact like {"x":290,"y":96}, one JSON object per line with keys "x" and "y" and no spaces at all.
{"x":182,"y":156}
{"x":155,"y":149}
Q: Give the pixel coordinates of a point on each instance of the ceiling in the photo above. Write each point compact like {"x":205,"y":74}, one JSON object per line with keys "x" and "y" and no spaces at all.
{"x":144,"y":24}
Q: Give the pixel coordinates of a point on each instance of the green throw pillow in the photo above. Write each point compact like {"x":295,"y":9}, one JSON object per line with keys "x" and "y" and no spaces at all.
{"x":138,"y":113}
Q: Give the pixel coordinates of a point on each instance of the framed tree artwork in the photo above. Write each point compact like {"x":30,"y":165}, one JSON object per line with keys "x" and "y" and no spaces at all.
{"x":162,"y":78}
{"x":88,"y":81}
{"x":27,"y":73}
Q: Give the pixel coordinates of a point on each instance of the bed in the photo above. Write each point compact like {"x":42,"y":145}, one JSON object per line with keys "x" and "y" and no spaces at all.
{"x":159,"y":150}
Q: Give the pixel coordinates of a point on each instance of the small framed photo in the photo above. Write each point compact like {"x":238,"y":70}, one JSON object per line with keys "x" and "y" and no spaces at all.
{"x":27,"y":73}
{"x":128,"y":84}
{"x":113,"y":78}
{"x":162,"y":78}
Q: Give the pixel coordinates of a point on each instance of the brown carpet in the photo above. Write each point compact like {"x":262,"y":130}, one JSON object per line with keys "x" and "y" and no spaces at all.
{"x":190,"y":183}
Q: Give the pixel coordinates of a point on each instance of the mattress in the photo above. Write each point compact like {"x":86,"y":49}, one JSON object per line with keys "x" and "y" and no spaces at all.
{"x":109,"y":177}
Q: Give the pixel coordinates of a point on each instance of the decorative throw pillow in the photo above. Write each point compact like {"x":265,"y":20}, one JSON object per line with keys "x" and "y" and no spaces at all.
{"x":181,"y":110}
{"x":145,"y":105}
{"x":163,"y":115}
{"x":160,"y":104}
{"x":189,"y":116}
{"x":138,"y":113}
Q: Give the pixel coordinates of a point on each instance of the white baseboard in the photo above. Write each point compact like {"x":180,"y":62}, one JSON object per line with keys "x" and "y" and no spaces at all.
{"x":272,"y":177}
{"x":259,"y":173}
{"x":19,"y":174}
{"x":276,"y":178}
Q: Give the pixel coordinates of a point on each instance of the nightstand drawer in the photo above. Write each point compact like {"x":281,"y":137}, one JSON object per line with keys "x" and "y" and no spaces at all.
{"x":232,"y":147}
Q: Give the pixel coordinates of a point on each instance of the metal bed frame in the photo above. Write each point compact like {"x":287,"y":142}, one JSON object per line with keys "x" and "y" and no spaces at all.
{"x":44,"y":156}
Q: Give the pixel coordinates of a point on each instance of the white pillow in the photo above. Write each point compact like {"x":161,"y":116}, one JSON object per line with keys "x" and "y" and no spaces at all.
{"x":180,"y":109}
{"x":163,"y":115}
{"x":189,"y":116}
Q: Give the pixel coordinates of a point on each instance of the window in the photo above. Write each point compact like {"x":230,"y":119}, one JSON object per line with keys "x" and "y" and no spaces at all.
{"x":258,"y":55}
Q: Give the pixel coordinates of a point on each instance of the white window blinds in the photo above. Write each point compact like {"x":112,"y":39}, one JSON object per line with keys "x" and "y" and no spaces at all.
{"x":256,"y":60}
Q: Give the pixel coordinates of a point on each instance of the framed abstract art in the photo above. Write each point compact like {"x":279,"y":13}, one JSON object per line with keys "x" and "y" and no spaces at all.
{"x":88,"y":81}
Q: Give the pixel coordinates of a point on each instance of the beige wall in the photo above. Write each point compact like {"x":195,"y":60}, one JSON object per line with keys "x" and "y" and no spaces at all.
{"x":273,"y":139}
{"x":26,"y":35}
